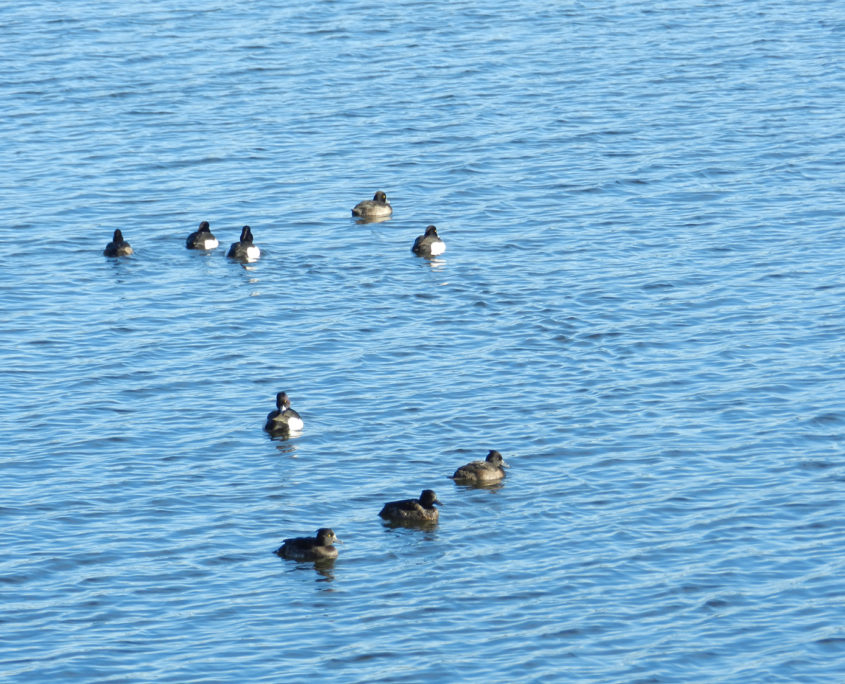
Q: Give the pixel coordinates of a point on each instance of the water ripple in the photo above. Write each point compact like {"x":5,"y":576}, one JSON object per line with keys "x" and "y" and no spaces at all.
{"x":640,"y":307}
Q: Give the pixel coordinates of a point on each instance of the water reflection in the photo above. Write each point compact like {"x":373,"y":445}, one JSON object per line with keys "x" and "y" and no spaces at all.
{"x":283,"y":434}
{"x":492,"y":486}
{"x":117,"y":266}
{"x":249,"y":274}
{"x":249,"y":268}
{"x":323,"y":568}
{"x":427,"y":530}
{"x":285,"y":447}
{"x":427,"y":525}
{"x":372,"y":219}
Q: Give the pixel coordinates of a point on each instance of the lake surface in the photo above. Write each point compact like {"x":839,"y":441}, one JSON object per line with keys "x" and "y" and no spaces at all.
{"x":641,"y":305}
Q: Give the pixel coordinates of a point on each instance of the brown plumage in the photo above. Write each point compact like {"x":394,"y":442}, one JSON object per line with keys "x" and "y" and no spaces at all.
{"x":314,"y":548}
{"x":489,"y":470}
{"x":420,"y":510}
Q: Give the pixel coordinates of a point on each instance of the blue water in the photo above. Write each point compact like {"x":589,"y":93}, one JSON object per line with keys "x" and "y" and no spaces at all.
{"x":641,"y":305}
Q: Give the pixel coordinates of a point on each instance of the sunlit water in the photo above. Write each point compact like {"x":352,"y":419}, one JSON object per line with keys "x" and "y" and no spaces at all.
{"x":640,"y":306}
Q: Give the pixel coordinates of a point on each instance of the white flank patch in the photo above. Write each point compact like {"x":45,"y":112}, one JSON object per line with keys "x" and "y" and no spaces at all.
{"x":438,"y":248}
{"x":252,"y":252}
{"x":295,"y":424}
{"x":210,"y":243}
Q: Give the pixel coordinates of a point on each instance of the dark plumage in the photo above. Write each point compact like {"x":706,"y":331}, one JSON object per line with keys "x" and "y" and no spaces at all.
{"x":201,"y":238}
{"x":420,"y":510}
{"x":378,"y":206}
{"x":489,"y":470}
{"x":244,"y":249}
{"x":429,"y":244}
{"x":314,"y":548}
{"x":118,"y":246}
{"x":284,"y":419}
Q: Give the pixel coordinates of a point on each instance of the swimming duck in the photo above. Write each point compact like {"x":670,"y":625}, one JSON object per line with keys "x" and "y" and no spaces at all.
{"x":377,"y":206}
{"x":118,"y":246}
{"x":490,"y":469}
{"x":244,"y":249}
{"x":429,"y":244}
{"x":284,"y":419}
{"x":201,"y":238}
{"x":315,"y":548}
{"x":420,"y":510}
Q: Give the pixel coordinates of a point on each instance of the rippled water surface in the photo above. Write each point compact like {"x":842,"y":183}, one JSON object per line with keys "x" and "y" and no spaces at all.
{"x":640,"y":306}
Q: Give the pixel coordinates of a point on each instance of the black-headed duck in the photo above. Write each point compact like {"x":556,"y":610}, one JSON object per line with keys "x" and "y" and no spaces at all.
{"x":244,"y":250}
{"x":429,"y":243}
{"x":118,"y":246}
{"x":201,"y":238}
{"x":284,"y":420}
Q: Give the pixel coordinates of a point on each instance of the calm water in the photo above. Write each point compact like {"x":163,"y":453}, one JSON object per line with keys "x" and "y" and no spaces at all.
{"x":641,"y":306}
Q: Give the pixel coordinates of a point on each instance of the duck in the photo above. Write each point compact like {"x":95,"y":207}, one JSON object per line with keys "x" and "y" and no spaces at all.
{"x":118,"y":246}
{"x":244,"y":249}
{"x":429,"y":244}
{"x":420,"y":510}
{"x":316,"y":548}
{"x":378,"y":206}
{"x":284,"y":419}
{"x":490,"y":469}
{"x":201,"y":238}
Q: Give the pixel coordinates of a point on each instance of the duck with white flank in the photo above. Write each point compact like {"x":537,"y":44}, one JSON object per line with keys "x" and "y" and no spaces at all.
{"x":429,"y":244}
{"x":244,"y":250}
{"x":201,"y":238}
{"x":284,"y":420}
